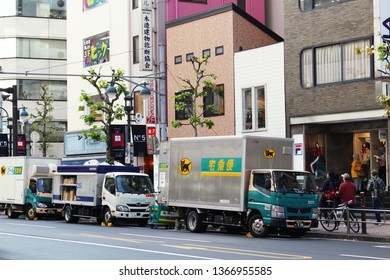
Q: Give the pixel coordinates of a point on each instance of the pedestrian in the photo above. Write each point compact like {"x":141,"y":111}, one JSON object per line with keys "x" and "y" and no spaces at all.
{"x":347,"y":190}
{"x":381,"y":159}
{"x":356,"y":172}
{"x":374,"y":185}
{"x":329,"y":189}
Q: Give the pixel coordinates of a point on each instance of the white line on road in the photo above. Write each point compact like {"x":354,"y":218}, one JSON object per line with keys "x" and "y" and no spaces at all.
{"x":170,"y":238}
{"x":363,"y":257}
{"x":106,"y":245}
{"x":25,"y":225}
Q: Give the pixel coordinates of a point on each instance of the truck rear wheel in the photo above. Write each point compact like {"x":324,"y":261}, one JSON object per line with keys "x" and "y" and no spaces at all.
{"x":257,"y":227}
{"x":30,"y":213}
{"x":194,"y":222}
{"x":10,"y":213}
{"x":68,"y":215}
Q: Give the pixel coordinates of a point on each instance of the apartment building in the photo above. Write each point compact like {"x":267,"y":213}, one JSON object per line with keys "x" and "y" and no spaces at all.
{"x":332,"y":109}
{"x":33,"y":54}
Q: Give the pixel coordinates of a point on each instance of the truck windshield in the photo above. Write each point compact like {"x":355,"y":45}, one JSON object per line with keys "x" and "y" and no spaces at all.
{"x":134,"y":184}
{"x":44,"y":185}
{"x":294,"y":182}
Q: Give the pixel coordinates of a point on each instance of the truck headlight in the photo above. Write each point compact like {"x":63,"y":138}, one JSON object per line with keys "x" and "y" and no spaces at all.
{"x":123,"y":208}
{"x":41,"y":205}
{"x":316,"y":211}
{"x":277,"y":212}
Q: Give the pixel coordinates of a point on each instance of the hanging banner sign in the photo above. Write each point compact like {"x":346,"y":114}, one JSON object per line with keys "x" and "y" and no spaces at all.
{"x":3,"y":145}
{"x":21,"y":145}
{"x":117,"y":140}
{"x":139,"y":140}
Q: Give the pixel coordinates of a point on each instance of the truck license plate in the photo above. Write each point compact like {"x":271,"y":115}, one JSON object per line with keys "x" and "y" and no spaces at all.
{"x":298,"y":224}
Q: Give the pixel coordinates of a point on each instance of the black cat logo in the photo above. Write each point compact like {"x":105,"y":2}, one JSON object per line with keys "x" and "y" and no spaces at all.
{"x":185,"y":166}
{"x":269,"y":153}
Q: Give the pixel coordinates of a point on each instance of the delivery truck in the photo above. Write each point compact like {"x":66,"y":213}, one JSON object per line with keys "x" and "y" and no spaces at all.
{"x":26,"y":186}
{"x":238,"y":182}
{"x":107,"y":193}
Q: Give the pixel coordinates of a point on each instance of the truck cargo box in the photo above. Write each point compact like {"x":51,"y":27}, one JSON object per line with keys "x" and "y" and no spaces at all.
{"x":213,"y":172}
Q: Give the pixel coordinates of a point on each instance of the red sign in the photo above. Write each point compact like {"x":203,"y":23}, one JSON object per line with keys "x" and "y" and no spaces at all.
{"x":151,"y":133}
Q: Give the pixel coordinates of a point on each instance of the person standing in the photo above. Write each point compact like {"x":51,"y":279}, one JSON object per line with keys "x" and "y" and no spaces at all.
{"x":347,"y":190}
{"x":356,"y":169}
{"x":373,"y":186}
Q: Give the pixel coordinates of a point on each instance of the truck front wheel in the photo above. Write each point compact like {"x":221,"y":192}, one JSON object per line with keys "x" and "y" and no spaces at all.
{"x":68,"y":215}
{"x":257,"y":227}
{"x":107,"y":218}
{"x":30,"y":213}
{"x":194,"y":222}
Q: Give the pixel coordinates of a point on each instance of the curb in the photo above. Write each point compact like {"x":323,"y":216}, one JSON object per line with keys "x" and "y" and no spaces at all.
{"x":355,"y":237}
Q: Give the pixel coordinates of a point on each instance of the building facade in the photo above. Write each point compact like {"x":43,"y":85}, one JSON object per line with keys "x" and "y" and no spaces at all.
{"x":331,"y":92}
{"x":192,"y":36}
{"x":33,"y":55}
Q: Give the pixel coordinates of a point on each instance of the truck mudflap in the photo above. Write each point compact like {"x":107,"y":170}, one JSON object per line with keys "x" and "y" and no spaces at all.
{"x":294,"y":224}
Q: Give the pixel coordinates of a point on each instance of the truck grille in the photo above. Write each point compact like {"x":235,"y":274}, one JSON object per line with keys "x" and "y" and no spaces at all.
{"x":139,"y":207}
{"x":299,"y":210}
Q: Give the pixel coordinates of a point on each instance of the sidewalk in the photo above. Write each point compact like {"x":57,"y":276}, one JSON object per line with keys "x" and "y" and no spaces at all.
{"x":375,"y":233}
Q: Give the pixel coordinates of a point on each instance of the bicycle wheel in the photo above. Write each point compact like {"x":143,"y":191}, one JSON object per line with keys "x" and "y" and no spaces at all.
{"x":354,"y":225}
{"x":328,"y":220}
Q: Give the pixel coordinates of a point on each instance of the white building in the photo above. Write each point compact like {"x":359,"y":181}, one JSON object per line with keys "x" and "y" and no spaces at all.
{"x":33,"y":54}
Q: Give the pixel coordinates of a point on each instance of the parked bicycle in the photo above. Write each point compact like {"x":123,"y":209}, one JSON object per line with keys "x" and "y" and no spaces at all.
{"x":330,"y":219}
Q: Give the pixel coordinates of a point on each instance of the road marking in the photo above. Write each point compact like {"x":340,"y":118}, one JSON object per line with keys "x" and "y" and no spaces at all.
{"x":363,"y":257}
{"x":225,"y":250}
{"x":26,"y":225}
{"x":383,"y":246}
{"x":107,"y":246}
{"x":112,"y":238}
{"x":168,"y":238}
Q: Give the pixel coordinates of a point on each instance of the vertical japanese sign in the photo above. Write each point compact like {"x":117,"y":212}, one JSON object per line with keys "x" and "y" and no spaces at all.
{"x":3,"y":145}
{"x":151,"y":142}
{"x":21,"y":145}
{"x":147,"y":36}
{"x":117,"y":149}
{"x":151,"y":114}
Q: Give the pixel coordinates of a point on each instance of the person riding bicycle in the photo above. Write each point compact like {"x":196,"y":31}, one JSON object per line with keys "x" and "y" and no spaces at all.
{"x":347,"y":190}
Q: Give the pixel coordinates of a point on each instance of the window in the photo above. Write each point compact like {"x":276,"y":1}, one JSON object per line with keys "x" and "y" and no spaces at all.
{"x":183,"y":105}
{"x":32,"y":89}
{"x":135,"y":49}
{"x":41,"y":48}
{"x":307,"y":5}
{"x":189,"y":56}
{"x":178,"y":59}
{"x":254,"y":108}
{"x":96,"y":49}
{"x":214,"y":101}
{"x":135,"y":4}
{"x":335,"y":63}
{"x":219,"y":50}
{"x":46,"y":9}
{"x":206,"y":53}
{"x":56,"y":130}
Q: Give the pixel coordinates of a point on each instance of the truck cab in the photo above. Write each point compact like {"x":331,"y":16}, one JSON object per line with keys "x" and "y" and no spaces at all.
{"x":39,"y":198}
{"x":285,"y":200}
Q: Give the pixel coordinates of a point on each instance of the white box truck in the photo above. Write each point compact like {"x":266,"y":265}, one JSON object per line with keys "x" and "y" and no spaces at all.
{"x":26,"y":185}
{"x":106,"y":192}
{"x":239,"y":182}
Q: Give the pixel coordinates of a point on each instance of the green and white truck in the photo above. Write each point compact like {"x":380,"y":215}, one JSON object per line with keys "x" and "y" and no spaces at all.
{"x":239,"y":182}
{"x":26,"y":185}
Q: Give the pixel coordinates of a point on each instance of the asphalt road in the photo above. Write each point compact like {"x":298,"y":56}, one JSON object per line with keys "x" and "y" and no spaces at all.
{"x":56,"y":240}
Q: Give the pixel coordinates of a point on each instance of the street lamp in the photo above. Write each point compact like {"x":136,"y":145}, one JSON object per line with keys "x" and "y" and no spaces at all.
{"x":111,"y":91}
{"x":23,"y":116}
{"x":13,"y":90}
